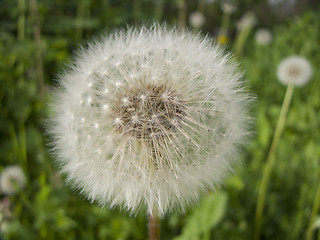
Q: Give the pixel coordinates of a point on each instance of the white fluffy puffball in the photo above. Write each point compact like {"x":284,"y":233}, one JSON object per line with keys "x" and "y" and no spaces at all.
{"x":12,"y":180}
{"x":295,"y":70}
{"x":197,"y":19}
{"x":248,"y":20}
{"x":228,"y":7}
{"x":263,"y":36}
{"x":149,"y":117}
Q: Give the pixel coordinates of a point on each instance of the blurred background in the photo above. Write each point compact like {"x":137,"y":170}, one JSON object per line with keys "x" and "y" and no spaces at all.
{"x":37,"y":40}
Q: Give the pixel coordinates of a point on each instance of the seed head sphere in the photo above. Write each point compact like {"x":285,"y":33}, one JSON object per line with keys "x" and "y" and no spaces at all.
{"x":149,"y":117}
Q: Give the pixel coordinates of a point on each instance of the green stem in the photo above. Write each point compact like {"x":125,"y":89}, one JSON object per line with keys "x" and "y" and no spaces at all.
{"x":314,"y":212}
{"x":201,"y":6}
{"x":21,"y":19}
{"x":37,"y":40}
{"x":80,"y":19}
{"x":271,"y":160}
{"x":19,"y":147}
{"x":21,"y":35}
{"x":158,"y":9}
{"x":241,"y":39}
{"x":225,"y":22}
{"x":137,"y":10}
{"x":182,"y":13}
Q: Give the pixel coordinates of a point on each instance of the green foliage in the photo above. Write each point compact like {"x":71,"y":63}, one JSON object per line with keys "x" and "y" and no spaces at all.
{"x":47,"y":209}
{"x":205,"y":218}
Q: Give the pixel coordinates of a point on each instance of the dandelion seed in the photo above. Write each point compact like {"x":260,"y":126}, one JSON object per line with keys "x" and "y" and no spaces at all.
{"x":155,"y":145}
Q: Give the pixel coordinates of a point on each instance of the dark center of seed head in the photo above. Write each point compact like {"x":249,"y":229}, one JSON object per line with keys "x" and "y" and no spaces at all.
{"x":294,"y":71}
{"x":148,"y":112}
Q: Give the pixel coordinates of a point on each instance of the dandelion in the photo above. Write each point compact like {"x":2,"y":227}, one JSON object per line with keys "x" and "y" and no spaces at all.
{"x":149,"y":117}
{"x":243,"y":30}
{"x":12,"y":180}
{"x":263,"y":36}
{"x":196,"y":19}
{"x":228,"y":7}
{"x":295,"y":70}
{"x":247,"y":21}
{"x":292,"y":71}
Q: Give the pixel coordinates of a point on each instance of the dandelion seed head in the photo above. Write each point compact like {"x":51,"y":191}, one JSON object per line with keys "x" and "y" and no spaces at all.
{"x":228,"y":7}
{"x":248,"y":20}
{"x":12,"y":180}
{"x":263,"y":36}
{"x":294,"y":70}
{"x":197,"y":20}
{"x":167,"y":129}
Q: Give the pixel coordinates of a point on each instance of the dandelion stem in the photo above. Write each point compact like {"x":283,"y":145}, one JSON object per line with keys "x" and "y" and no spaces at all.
{"x":225,"y":24}
{"x":20,"y":36}
{"x":241,"y":38}
{"x":182,"y":13}
{"x":154,"y":227}
{"x":314,"y":212}
{"x":270,"y":160}
{"x":37,"y":39}
{"x":158,"y":9}
{"x":21,"y":19}
{"x":201,"y":6}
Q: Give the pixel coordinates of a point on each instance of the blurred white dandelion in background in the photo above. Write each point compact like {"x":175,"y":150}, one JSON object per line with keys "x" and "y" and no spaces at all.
{"x":295,"y":70}
{"x":292,"y":71}
{"x":263,"y":36}
{"x":248,"y":20}
{"x":228,"y":7}
{"x":12,"y":180}
{"x":197,"y":19}
{"x":149,"y":117}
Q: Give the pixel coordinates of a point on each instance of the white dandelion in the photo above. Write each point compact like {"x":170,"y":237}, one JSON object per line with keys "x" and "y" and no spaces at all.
{"x":12,"y":180}
{"x":166,"y":115}
{"x":197,"y":19}
{"x":228,"y":7}
{"x":248,"y":20}
{"x":263,"y":36}
{"x":295,"y":70}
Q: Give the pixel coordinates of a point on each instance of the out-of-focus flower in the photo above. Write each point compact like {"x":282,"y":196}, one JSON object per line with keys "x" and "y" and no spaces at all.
{"x":196,"y":19}
{"x":263,"y":36}
{"x":12,"y":180}
{"x":295,"y":70}
{"x":5,"y":214}
{"x":149,"y":117}
{"x":228,"y":7}
{"x":222,"y":39}
{"x":247,"y":21}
